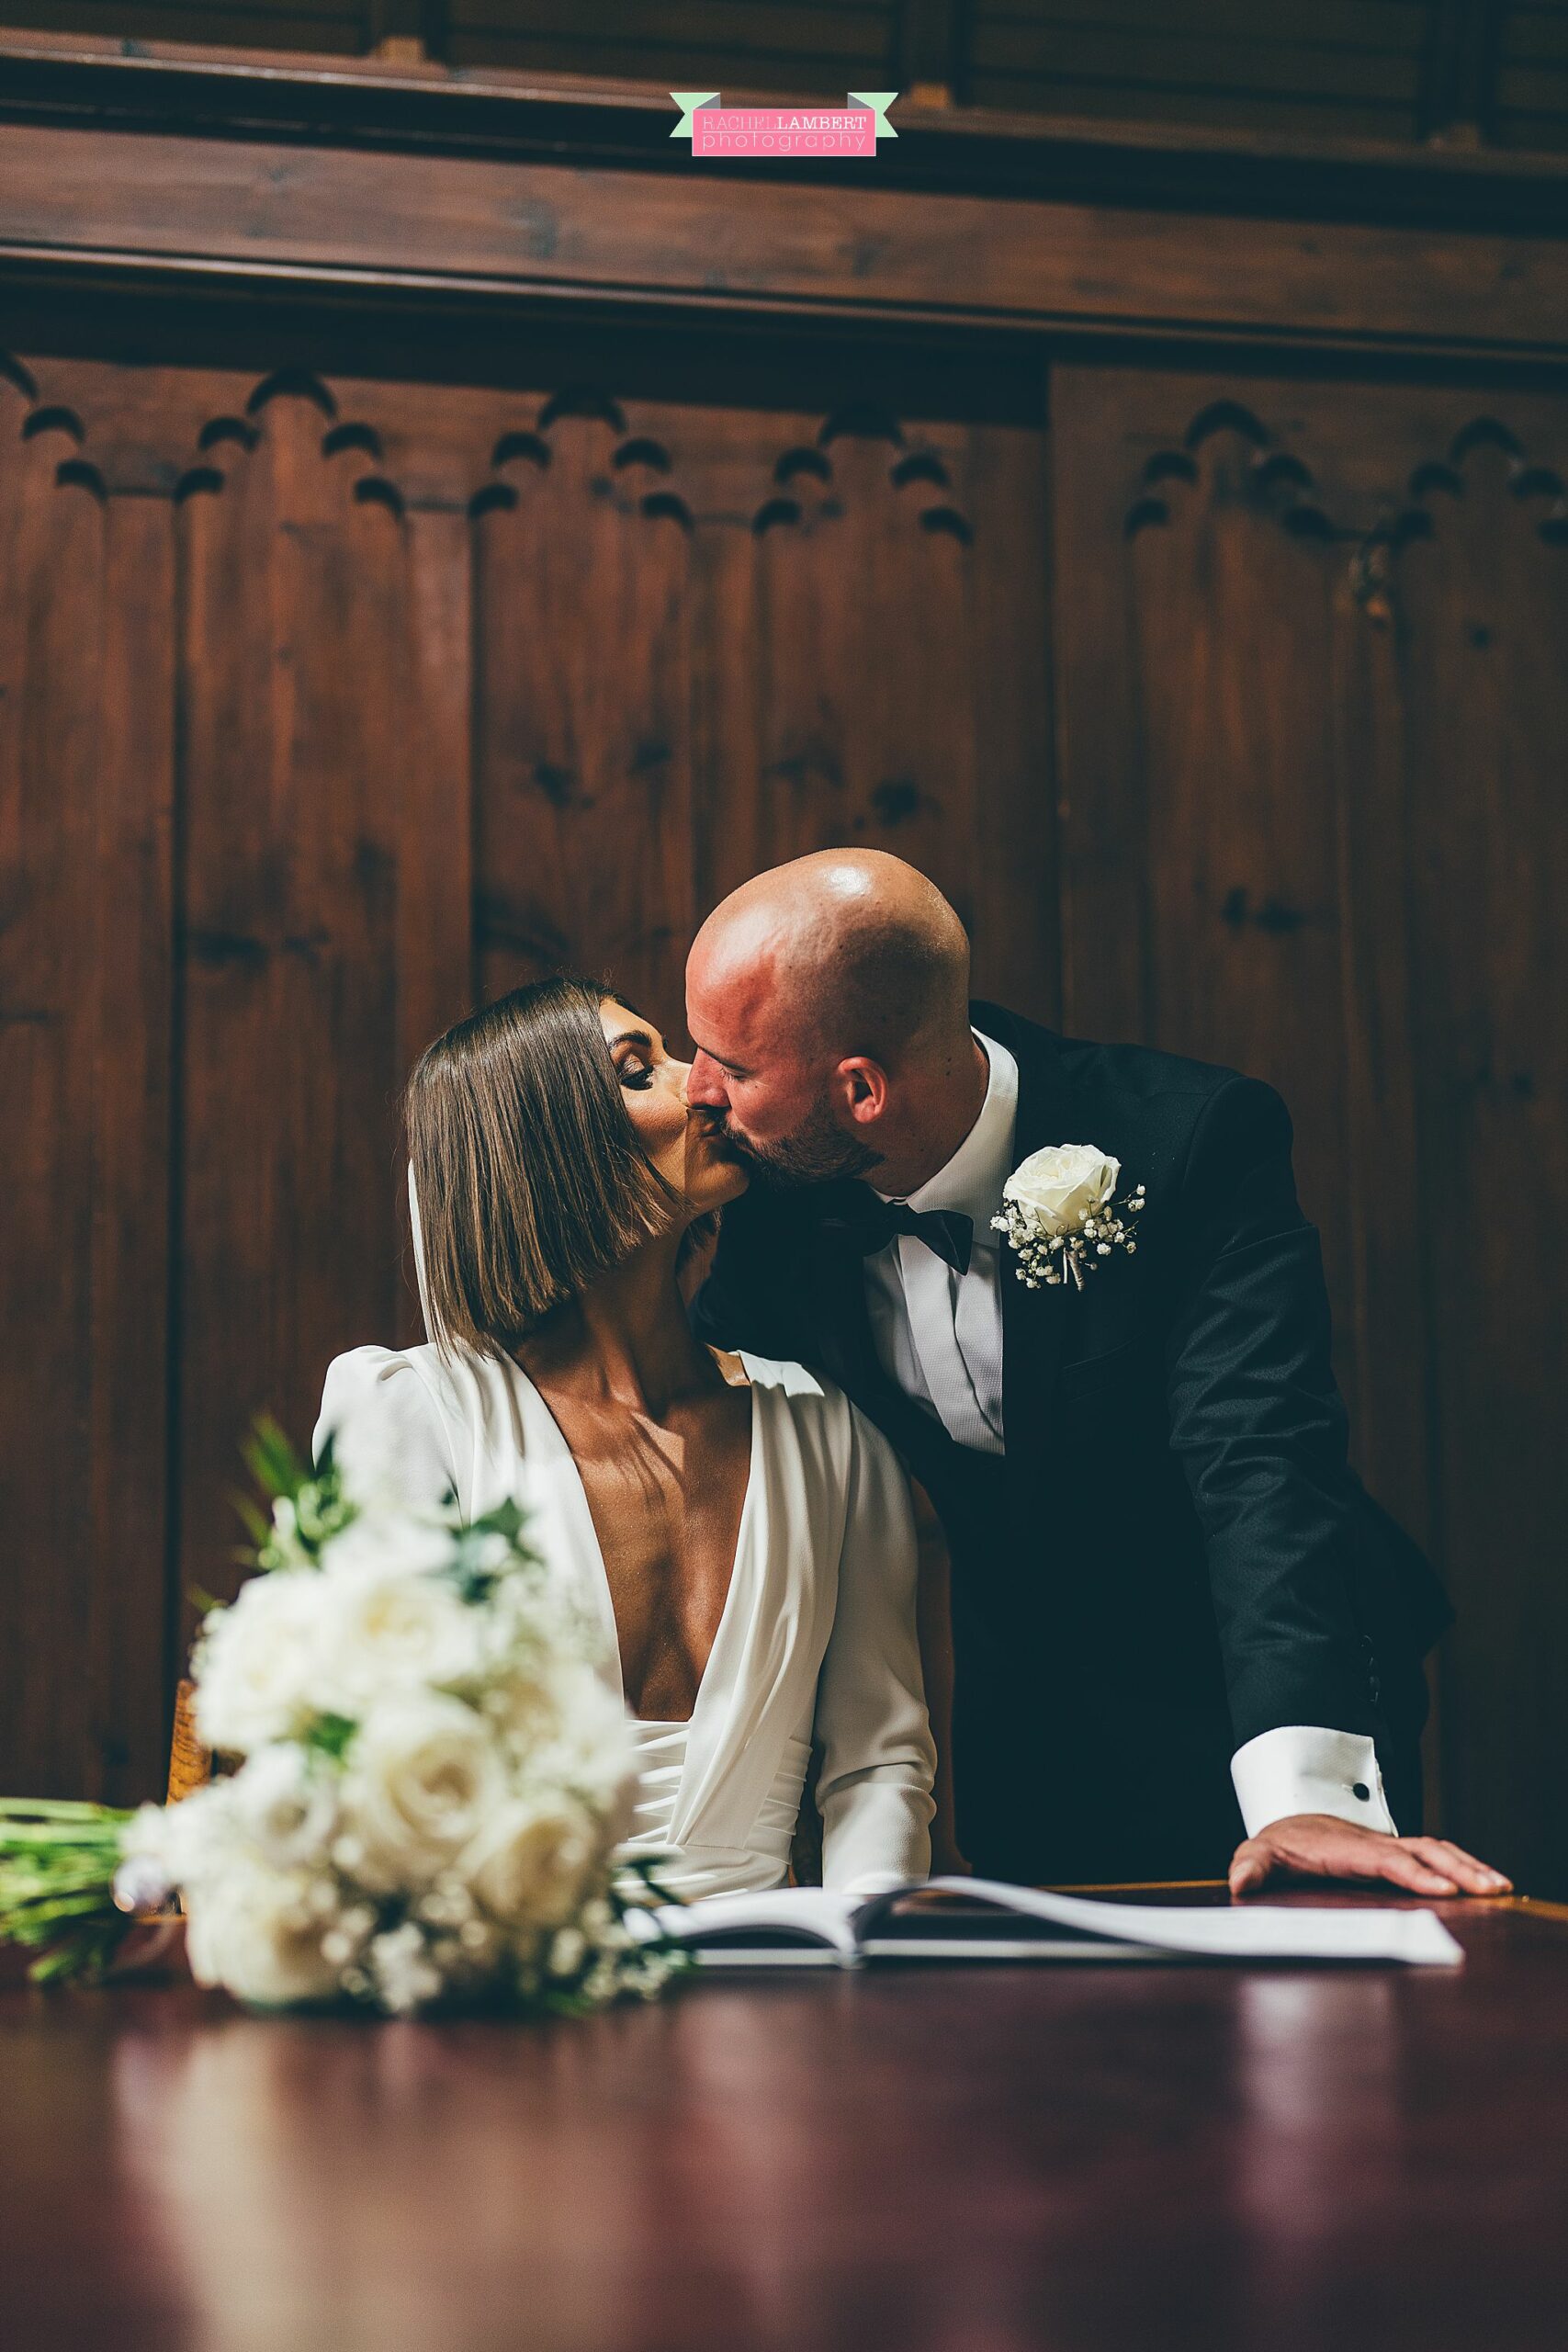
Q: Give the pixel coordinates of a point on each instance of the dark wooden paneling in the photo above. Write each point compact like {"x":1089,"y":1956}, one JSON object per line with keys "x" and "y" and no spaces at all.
{"x":84,"y":1060}
{"x":436,"y":966}
{"x":1209,"y":917}
{"x":1528,"y":100}
{"x":792,"y":250}
{"x":889,"y":581}
{"x":295,"y":662}
{"x":1310,"y":691}
{"x":1451,"y":178}
{"x":1482,"y":611}
{"x":131,"y":945}
{"x":245,"y":24}
{"x":582,"y":711}
{"x":426,"y":650}
{"x":51,"y":617}
{"x":1387,"y":71}
{"x":1331,"y":27}
{"x":728,"y":44}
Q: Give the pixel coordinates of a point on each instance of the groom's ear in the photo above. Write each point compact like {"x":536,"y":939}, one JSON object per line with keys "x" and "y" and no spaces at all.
{"x":862,"y":1087}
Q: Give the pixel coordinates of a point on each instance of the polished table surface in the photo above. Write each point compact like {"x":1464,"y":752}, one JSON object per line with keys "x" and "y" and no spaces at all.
{"x":935,"y":2159}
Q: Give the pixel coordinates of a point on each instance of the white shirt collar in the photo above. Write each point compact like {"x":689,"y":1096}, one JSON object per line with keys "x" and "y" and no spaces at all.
{"x":972,"y":1179}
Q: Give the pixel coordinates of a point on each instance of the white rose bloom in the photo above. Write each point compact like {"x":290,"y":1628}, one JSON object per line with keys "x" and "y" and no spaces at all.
{"x":546,"y":1693}
{"x":531,"y":1862}
{"x":254,"y":1664}
{"x":1062,"y":1182}
{"x":287,"y":1807}
{"x":423,"y":1776}
{"x":384,"y":1630}
{"x":254,"y":1931}
{"x":198,"y":1838}
{"x":404,"y":1970}
{"x":389,"y":1543}
{"x":146,"y":1834}
{"x":521,"y":1702}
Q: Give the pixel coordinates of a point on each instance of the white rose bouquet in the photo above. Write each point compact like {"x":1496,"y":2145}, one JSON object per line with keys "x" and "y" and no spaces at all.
{"x":430,"y":1779}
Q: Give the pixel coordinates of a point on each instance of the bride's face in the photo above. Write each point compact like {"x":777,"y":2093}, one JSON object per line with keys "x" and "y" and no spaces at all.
{"x":684,"y":1143}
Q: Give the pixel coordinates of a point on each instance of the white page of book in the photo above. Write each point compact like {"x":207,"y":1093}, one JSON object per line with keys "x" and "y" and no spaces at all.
{"x":798,"y":1910}
{"x":1243,"y":1931}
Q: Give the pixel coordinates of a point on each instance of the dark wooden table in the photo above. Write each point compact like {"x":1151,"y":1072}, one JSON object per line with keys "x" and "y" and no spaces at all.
{"x":972,"y":2160}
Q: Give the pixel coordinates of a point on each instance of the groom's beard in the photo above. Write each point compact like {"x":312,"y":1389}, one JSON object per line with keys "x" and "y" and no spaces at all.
{"x":819,"y":1152}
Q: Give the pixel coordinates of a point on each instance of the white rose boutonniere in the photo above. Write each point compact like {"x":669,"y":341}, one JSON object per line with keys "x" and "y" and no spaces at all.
{"x":1060,"y":1213}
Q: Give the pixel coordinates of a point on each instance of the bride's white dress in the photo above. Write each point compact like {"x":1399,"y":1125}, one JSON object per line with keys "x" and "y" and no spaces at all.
{"x":816,"y":1636}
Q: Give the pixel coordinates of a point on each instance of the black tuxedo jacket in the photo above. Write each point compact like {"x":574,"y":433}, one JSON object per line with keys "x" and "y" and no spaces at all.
{"x":1173,"y":1555}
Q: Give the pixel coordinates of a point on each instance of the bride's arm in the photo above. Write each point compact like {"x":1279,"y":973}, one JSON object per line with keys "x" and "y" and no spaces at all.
{"x":878,"y":1759}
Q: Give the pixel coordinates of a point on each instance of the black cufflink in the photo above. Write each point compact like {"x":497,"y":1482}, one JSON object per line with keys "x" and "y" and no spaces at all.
{"x":1359,"y":1789}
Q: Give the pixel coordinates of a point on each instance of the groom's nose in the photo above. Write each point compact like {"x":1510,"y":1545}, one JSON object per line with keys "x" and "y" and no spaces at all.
{"x":704,"y":1083}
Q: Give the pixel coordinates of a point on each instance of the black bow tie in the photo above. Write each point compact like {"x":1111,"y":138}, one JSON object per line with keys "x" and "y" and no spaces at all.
{"x":870,"y":1223}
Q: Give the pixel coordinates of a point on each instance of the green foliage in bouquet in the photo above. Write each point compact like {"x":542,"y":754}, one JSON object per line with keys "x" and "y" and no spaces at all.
{"x":308,"y":1504}
{"x":58,"y":1860}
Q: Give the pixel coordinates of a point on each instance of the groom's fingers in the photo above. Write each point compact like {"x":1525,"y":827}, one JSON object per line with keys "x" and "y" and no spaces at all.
{"x":1319,"y":1846}
{"x":1474,"y":1877}
{"x":1401,"y":1864}
{"x":1249,"y":1867}
{"x":1327,"y":1848}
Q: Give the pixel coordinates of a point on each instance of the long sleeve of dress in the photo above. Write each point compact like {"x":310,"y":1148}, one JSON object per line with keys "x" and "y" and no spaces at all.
{"x":390,"y":1437}
{"x":878,"y":1759}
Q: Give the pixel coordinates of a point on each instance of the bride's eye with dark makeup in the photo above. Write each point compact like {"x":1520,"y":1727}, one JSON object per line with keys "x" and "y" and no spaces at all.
{"x":633,"y":1070}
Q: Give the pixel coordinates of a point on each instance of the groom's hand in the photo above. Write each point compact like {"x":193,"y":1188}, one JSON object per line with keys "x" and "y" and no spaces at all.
{"x":1317,"y":1844}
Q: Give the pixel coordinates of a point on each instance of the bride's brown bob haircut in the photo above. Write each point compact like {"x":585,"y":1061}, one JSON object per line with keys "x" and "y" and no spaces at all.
{"x":531,"y":1182}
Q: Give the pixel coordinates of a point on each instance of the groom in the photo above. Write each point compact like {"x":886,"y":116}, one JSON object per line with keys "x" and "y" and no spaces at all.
{"x":1178,"y":1620}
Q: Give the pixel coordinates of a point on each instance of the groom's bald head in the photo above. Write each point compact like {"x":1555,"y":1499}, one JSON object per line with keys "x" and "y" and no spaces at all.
{"x":807,"y":977}
{"x":853,"y":946}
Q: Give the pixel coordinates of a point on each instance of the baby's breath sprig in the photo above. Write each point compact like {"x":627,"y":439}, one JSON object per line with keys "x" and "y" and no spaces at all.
{"x":1050,"y":1257}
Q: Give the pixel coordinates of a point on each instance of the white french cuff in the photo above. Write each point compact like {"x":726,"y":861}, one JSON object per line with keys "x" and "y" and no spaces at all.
{"x":1302,"y":1767}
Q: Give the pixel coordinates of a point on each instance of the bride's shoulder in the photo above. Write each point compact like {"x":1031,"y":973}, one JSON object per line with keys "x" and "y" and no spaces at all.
{"x":779,"y":1373}
{"x":363,"y":1372}
{"x":393,"y":1416}
{"x":808,"y":1398}
{"x":414,"y":1386}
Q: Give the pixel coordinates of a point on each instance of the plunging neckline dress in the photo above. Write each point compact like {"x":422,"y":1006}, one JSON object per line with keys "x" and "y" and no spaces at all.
{"x":664,"y":1748}
{"x":816,"y":1638}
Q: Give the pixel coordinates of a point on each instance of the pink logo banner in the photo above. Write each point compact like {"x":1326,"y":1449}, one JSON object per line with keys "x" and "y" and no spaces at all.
{"x":852,"y":129}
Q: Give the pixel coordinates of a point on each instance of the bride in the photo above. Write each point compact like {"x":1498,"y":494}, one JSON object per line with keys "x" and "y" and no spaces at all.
{"x":741,"y":1536}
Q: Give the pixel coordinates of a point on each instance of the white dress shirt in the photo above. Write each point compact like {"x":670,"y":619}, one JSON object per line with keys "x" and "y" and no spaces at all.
{"x":938,"y":1335}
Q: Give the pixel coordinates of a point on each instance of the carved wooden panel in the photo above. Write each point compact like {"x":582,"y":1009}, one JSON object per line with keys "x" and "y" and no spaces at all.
{"x":1479,"y":621}
{"x":1310,"y":697}
{"x":582,"y":703}
{"x":295,"y":653}
{"x":430,"y":687}
{"x":877,"y":674}
{"x":85,"y":781}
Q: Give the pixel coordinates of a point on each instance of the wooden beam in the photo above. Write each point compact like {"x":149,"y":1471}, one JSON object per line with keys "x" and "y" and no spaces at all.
{"x":63,"y":78}
{"x":195,"y":211}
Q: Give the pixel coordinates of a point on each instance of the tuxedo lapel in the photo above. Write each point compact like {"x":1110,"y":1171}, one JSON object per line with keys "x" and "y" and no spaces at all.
{"x":832,"y":1273}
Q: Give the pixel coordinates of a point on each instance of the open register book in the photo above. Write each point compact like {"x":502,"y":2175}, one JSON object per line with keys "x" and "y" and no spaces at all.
{"x":979,"y":1918}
